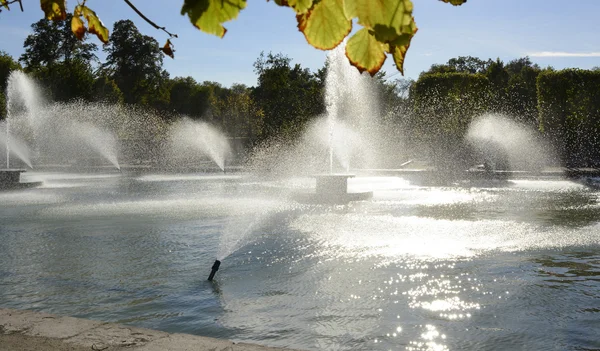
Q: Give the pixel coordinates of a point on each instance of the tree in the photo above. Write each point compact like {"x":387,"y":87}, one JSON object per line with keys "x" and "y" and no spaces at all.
{"x":7,"y":65}
{"x":188,"y":97}
{"x":387,"y":25}
{"x":67,"y":80}
{"x":287,"y":95}
{"x":106,"y":90}
{"x":134,"y":61}
{"x":53,"y":42}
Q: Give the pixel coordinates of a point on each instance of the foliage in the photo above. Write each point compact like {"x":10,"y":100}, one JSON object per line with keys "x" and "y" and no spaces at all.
{"x":188,"y":97}
{"x":287,"y":96}
{"x":134,"y":62}
{"x":446,"y":103}
{"x":387,"y":25}
{"x":106,"y":90}
{"x":67,"y":81}
{"x":7,"y":65}
{"x":569,"y":114}
{"x":52,"y":42}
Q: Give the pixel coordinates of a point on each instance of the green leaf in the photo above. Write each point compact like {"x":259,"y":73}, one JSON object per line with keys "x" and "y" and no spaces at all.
{"x":208,"y":15}
{"x":325,"y":25}
{"x":300,"y":6}
{"x":77,"y":27}
{"x":455,"y":2}
{"x":95,"y":25}
{"x":5,"y":4}
{"x":54,"y":9}
{"x":388,"y":18}
{"x":365,"y":52}
{"x":168,"y":49}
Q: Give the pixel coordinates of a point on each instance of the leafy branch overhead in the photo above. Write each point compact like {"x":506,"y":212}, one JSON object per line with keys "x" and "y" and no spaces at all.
{"x":388,"y":26}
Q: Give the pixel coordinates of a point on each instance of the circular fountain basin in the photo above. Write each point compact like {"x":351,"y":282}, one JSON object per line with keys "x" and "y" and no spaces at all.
{"x":332,"y":189}
{"x":10,"y":178}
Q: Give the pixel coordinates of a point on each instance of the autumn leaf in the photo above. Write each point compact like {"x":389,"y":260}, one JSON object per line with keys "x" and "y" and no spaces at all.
{"x":168,"y":49}
{"x":325,"y":25}
{"x":399,"y":54}
{"x":78,"y":27}
{"x":455,"y":2}
{"x":54,"y":9}
{"x":208,"y":15}
{"x":365,"y":52}
{"x":95,"y":25}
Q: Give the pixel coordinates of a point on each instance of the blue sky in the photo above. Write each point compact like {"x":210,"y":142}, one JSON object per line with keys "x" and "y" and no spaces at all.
{"x":553,"y":33}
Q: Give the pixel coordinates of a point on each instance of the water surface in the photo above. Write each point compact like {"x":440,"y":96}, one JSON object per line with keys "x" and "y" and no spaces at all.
{"x":416,"y":268}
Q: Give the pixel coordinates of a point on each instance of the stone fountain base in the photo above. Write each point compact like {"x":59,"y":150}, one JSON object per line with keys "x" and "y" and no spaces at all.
{"x":11,"y":179}
{"x":332,"y":189}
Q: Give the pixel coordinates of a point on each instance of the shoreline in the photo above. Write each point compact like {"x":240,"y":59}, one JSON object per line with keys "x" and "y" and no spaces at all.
{"x":26,"y":330}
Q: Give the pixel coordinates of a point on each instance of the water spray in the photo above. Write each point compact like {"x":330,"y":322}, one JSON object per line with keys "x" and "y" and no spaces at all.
{"x":214,"y":269}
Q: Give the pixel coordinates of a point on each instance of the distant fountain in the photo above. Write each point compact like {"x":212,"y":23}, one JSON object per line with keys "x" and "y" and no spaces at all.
{"x":55,"y":132}
{"x":14,"y":146}
{"x":506,"y":145}
{"x":190,"y":140}
{"x":23,"y":101}
{"x":99,"y":140}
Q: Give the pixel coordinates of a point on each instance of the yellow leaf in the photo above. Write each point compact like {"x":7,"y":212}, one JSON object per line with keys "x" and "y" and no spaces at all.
{"x":399,"y":54}
{"x":325,"y":25}
{"x":95,"y":25}
{"x":5,"y":4}
{"x":77,"y":27}
{"x":54,"y":9}
{"x":208,"y":15}
{"x":168,"y":49}
{"x":365,"y":52}
{"x":455,"y":2}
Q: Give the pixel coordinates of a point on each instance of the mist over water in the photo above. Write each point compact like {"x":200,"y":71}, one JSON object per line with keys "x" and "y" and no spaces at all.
{"x":497,"y":138}
{"x":190,"y":141}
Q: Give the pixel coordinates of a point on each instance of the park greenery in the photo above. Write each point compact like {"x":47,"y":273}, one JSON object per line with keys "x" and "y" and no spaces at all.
{"x":388,"y":26}
{"x":436,"y":109}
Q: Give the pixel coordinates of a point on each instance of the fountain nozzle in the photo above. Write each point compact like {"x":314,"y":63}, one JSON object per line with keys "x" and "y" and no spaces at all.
{"x":214,"y":269}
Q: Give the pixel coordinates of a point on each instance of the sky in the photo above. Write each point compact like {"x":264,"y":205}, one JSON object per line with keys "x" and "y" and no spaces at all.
{"x":553,"y":33}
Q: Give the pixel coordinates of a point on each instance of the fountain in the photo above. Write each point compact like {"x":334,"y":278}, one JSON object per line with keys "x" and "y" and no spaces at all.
{"x":190,"y":141}
{"x":348,"y":96}
{"x":507,"y":149}
{"x":56,"y":132}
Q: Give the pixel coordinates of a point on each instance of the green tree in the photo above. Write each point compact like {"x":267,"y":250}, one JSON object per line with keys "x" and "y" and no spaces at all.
{"x":106,"y":90}
{"x":188,"y":97}
{"x":134,"y":61}
{"x":287,"y":95}
{"x":67,"y":80}
{"x":7,"y":65}
{"x":53,"y":42}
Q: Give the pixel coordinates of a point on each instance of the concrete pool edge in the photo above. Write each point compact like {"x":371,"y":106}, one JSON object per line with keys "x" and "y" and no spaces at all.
{"x":29,"y":330}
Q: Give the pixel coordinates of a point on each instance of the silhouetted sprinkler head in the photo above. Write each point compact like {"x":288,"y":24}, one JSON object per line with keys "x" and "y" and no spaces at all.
{"x":214,"y":270}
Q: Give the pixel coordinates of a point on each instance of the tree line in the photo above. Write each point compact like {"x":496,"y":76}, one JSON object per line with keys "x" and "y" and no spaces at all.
{"x":562,"y":105}
{"x":286,"y":97}
{"x":436,"y":109}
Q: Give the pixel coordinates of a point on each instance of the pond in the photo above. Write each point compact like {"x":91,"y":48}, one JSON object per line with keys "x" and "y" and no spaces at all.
{"x":414,"y":268}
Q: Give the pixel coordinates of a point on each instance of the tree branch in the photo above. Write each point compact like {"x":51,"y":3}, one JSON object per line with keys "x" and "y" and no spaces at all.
{"x":147,"y":19}
{"x":11,"y":2}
